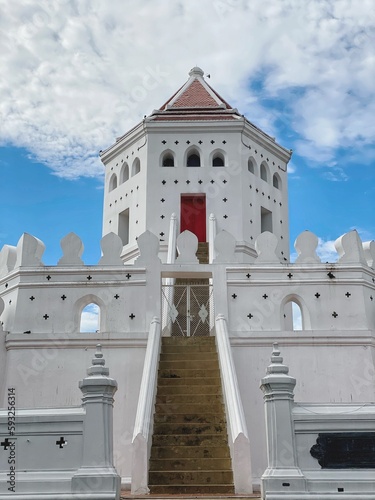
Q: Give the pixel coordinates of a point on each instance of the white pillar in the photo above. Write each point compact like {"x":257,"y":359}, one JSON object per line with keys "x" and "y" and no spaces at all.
{"x":169,"y":282}
{"x":282,"y":473}
{"x":172,"y":239}
{"x":211,"y":238}
{"x":97,"y":473}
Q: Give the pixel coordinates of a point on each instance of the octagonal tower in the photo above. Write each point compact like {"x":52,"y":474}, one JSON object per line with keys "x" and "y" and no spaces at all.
{"x":198,"y":158}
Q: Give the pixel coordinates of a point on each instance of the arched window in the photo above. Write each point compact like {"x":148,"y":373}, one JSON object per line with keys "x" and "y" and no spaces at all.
{"x":250,"y":166}
{"x":90,"y":318}
{"x":193,"y":159}
{"x":124,"y":173}
{"x":218,"y":160}
{"x":168,"y":159}
{"x":136,"y":168}
{"x":113,"y":182}
{"x":263,"y":172}
{"x":295,"y":314}
{"x":276,"y":181}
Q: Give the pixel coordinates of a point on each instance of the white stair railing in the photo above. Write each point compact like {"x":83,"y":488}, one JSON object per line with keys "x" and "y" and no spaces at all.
{"x":238,"y":435}
{"x":143,"y":427}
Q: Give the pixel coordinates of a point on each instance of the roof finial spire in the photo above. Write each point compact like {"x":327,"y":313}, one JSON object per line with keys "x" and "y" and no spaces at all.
{"x":196,"y":71}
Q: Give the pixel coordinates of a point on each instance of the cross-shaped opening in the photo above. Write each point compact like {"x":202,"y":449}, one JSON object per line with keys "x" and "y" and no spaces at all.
{"x":61,"y":442}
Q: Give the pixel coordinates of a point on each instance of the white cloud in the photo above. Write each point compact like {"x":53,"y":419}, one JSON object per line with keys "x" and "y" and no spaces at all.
{"x":90,"y":319}
{"x":326,"y":250}
{"x":80,"y":73}
{"x":364,"y":233}
{"x":336,"y":174}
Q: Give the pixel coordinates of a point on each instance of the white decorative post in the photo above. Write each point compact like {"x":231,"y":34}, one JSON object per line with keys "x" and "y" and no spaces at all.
{"x":171,"y":257}
{"x":282,"y":473}
{"x":211,"y":237}
{"x":169,"y":282}
{"x":97,"y":473}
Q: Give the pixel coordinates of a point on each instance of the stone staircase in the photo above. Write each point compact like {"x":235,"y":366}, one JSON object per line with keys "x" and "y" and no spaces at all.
{"x":202,"y":253}
{"x":190,"y":452}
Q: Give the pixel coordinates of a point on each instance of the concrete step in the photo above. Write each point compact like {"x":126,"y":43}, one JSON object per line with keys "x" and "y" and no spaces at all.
{"x":210,"y":364}
{"x":177,"y":452}
{"x":203,"y":440}
{"x":190,"y":464}
{"x":185,"y":408}
{"x":206,"y":347}
{"x":192,"y":489}
{"x":189,"y":428}
{"x":190,"y":356}
{"x":176,"y":381}
{"x":189,"y":373}
{"x":190,"y":418}
{"x":191,"y":477}
{"x":186,"y":341}
{"x":188,"y":398}
{"x":189,"y":389}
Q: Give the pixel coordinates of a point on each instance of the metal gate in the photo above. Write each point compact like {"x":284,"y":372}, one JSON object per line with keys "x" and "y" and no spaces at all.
{"x":187,"y":310}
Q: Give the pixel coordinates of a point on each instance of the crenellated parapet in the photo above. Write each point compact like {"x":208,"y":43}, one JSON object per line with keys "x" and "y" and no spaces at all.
{"x":329,"y":296}
{"x":38,"y":299}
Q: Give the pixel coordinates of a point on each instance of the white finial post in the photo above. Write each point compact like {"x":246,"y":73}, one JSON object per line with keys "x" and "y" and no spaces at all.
{"x":196,"y":71}
{"x":171,"y":257}
{"x":211,"y":238}
{"x":278,"y":387}
{"x":97,"y":471}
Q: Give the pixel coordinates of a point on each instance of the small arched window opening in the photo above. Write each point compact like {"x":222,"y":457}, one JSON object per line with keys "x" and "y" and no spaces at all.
{"x":263,"y":172}
{"x":250,"y":166}
{"x":218,"y":160}
{"x":124,"y":174}
{"x":193,"y":160}
{"x":276,"y":181}
{"x":168,"y":160}
{"x":296,"y":316}
{"x":136,"y":168}
{"x":90,"y":319}
{"x":293,"y":316}
{"x":113,"y":182}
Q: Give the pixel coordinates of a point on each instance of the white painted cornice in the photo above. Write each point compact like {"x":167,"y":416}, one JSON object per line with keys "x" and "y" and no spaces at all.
{"x":74,"y":341}
{"x":122,"y":143}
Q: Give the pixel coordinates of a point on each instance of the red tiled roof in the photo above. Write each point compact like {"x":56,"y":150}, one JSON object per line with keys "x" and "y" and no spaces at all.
{"x":195,"y":96}
{"x":195,"y":100}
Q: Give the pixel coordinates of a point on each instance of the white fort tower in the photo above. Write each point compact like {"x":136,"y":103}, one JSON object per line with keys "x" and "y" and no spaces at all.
{"x":194,"y":157}
{"x":193,"y":287}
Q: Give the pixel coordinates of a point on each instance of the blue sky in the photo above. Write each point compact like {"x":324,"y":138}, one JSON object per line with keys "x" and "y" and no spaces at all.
{"x":78,"y":74}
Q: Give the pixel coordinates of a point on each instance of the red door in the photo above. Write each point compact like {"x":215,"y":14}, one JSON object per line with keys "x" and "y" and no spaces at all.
{"x":193,"y":214}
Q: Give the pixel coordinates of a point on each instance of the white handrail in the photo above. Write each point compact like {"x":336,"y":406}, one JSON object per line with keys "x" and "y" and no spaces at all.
{"x":211,"y":237}
{"x":142,"y":435}
{"x":238,"y":435}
